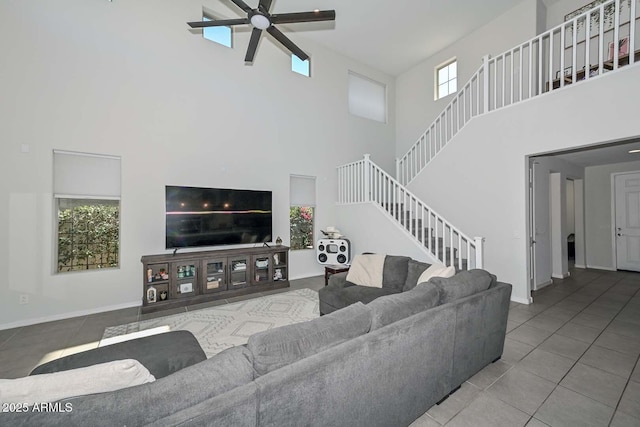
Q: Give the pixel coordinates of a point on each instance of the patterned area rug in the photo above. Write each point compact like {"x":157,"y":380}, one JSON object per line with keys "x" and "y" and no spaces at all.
{"x":221,"y":327}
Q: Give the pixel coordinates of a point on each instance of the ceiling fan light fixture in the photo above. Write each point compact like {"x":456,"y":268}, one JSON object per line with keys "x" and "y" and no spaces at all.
{"x":261,"y":22}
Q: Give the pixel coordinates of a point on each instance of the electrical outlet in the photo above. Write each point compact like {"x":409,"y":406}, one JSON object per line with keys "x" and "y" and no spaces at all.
{"x":24,"y":299}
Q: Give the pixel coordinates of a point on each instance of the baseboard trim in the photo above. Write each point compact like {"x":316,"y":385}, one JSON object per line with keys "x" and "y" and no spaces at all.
{"x":526,"y":301}
{"x":543,"y":285}
{"x":598,"y":267}
{"x":561,"y":276}
{"x":53,"y":318}
{"x":579,"y":266}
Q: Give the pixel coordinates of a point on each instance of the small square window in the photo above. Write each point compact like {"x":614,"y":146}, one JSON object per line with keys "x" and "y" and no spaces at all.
{"x":220,"y":35}
{"x":446,"y":79}
{"x":299,"y":66}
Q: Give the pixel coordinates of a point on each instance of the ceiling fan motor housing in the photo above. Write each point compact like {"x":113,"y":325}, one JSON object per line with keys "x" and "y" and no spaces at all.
{"x":259,"y":20}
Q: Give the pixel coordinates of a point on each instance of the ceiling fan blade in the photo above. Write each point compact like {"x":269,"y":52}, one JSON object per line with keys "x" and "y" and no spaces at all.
{"x":265,"y":5}
{"x":253,"y":44}
{"x":287,"y":18}
{"x":277,"y":34}
{"x":218,"y":23}
{"x":242,"y":5}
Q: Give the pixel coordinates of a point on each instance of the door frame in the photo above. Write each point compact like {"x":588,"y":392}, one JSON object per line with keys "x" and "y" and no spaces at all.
{"x":614,"y":246}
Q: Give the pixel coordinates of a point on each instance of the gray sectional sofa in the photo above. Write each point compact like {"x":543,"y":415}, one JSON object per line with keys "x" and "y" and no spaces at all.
{"x":379,"y":364}
{"x":399,"y":274}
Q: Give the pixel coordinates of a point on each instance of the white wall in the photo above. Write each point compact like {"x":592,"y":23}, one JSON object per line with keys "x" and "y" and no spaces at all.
{"x":416,"y":108}
{"x":599,"y":221}
{"x":481,"y":176}
{"x":379,"y":234}
{"x":130,"y":79}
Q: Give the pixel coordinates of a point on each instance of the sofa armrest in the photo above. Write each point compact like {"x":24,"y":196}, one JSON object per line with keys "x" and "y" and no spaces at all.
{"x":339,"y":280}
{"x":161,"y":354}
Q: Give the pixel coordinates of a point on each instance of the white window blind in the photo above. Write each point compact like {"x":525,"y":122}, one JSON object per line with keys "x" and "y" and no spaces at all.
{"x":302,"y":190}
{"x":367,"y":98}
{"x":82,"y":175}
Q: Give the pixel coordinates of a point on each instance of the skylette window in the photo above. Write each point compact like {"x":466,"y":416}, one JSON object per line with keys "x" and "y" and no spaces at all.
{"x":367,"y":98}
{"x":220,"y":35}
{"x":299,"y":66}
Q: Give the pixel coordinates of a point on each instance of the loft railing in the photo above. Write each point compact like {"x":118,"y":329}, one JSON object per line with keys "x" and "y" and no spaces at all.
{"x":365,"y":182}
{"x":577,"y":50}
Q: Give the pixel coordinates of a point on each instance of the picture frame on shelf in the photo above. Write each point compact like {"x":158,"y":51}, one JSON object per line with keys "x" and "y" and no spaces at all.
{"x":151,"y":295}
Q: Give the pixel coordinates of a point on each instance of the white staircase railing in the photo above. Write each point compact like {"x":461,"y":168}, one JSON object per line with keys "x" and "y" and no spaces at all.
{"x":549,"y":61}
{"x":365,"y":182}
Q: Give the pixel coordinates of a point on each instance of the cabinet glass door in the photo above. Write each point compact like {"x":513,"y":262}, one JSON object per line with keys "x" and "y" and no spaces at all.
{"x":185,"y":279}
{"x":261,"y":269}
{"x":215,"y":280}
{"x":238,"y":272}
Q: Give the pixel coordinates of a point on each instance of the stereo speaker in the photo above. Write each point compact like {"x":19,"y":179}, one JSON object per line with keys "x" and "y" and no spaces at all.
{"x":333,"y":251}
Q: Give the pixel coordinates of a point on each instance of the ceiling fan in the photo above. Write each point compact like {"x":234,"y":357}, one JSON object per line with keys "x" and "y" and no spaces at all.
{"x":261,"y":19}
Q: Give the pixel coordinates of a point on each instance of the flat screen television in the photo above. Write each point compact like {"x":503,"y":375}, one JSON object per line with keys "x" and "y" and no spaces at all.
{"x":216,"y":216}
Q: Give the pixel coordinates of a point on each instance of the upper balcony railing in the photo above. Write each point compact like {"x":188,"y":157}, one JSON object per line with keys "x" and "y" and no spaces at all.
{"x":577,"y":50}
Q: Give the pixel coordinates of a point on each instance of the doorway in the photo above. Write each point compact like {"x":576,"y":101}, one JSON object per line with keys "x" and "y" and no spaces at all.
{"x":627,"y":220}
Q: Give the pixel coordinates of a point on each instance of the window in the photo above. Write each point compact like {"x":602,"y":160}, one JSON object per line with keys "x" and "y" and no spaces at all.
{"x":302,"y":194}
{"x":446,"y":79}
{"x":221,"y":35}
{"x":367,"y":98}
{"x":86,"y":191}
{"x":299,"y":66}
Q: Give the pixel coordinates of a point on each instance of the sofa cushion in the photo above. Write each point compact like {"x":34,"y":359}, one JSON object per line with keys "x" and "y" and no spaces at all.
{"x":436,"y":270}
{"x":394,"y":274}
{"x":343,"y":297}
{"x":161,"y":354}
{"x":414,"y":270}
{"x":367,"y":270}
{"x":463,"y":284}
{"x":100,"y":378}
{"x":391,"y":308}
{"x":275,"y":348}
{"x":147,"y":403}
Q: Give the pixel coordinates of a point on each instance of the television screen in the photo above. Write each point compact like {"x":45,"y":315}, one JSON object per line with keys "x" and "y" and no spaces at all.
{"x":216,"y":216}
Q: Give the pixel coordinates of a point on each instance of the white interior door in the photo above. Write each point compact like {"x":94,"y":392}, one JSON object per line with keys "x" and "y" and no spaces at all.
{"x":541,"y":234}
{"x":627,"y":206}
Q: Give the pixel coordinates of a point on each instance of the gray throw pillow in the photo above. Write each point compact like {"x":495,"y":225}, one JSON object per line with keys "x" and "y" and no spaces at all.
{"x":414,"y":270}
{"x":278,"y":347}
{"x":463,"y":284}
{"x":394,"y":274}
{"x":391,"y":308}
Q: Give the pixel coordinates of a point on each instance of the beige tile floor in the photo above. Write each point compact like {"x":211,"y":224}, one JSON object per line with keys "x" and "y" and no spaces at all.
{"x":570,"y":358}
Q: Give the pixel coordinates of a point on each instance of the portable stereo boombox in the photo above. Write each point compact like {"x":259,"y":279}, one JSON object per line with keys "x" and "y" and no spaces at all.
{"x":333,"y":251}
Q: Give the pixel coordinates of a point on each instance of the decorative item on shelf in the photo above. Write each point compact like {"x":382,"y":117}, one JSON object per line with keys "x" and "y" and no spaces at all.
{"x":163,"y":295}
{"x":278,"y":241}
{"x":277,"y":275}
{"x":163,"y":274}
{"x":332,"y":233}
{"x":180,"y":272}
{"x":151,"y":295}
{"x":262,"y":263}
{"x":149,"y":275}
{"x":185,"y":288}
{"x":276,"y":259}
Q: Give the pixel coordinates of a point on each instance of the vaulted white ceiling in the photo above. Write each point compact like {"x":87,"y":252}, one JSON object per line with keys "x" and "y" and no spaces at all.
{"x":389,"y":35}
